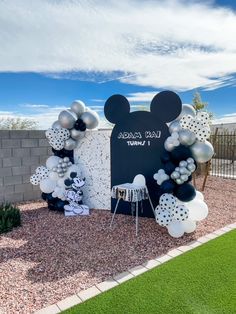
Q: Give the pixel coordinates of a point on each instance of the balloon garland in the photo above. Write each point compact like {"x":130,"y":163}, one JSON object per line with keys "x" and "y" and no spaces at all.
{"x":60,"y":180}
{"x":180,"y":205}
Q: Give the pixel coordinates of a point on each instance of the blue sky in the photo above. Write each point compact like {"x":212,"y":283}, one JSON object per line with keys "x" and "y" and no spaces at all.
{"x":55,"y":52}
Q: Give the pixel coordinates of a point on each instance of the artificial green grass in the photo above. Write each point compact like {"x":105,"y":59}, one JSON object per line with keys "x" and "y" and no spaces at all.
{"x":200,"y":281}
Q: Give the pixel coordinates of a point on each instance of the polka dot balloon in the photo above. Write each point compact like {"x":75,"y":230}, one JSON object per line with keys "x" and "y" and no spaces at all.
{"x":180,"y":213}
{"x":167,"y":201}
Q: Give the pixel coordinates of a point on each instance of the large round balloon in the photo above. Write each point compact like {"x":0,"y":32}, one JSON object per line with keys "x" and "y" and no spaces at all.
{"x":187,"y":110}
{"x":56,"y":125}
{"x":47,"y":185}
{"x":70,"y":144}
{"x":185,"y":192}
{"x":186,"y":137}
{"x":52,"y":162}
{"x":167,"y":186}
{"x":76,"y":134}
{"x":91,"y":119}
{"x":78,"y":107}
{"x":176,"y":229}
{"x":67,"y":118}
{"x":199,"y":196}
{"x":180,"y":153}
{"x":202,"y":151}
{"x":198,"y":210}
{"x":189,"y":226}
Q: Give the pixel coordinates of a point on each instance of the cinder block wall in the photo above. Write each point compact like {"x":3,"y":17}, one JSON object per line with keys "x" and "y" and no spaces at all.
{"x":21,"y":152}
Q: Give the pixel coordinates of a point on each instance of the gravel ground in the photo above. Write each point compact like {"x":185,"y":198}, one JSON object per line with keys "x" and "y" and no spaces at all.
{"x":50,"y":256}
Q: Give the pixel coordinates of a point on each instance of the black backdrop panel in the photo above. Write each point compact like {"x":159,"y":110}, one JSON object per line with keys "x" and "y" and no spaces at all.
{"x":137,"y":142}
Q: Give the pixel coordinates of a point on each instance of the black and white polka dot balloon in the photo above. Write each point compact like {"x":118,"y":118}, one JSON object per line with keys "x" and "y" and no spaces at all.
{"x":167,"y":201}
{"x":163,"y":217}
{"x":180,"y":213}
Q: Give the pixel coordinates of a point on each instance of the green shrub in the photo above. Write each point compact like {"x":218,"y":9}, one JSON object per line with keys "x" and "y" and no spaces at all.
{"x":9,"y":217}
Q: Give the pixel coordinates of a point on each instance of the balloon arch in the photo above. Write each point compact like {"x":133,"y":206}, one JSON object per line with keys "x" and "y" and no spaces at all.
{"x":180,"y":205}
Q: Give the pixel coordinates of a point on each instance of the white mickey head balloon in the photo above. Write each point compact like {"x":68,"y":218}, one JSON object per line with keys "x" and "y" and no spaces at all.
{"x":163,"y":217}
{"x":195,"y":125}
{"x":203,"y":134}
{"x":180,"y":212}
{"x":185,"y":121}
{"x":167,"y":201}
{"x":57,"y":137}
{"x":204,"y":117}
{"x":35,"y":179}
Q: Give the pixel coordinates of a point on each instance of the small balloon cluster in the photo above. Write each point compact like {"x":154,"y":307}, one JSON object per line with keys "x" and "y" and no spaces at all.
{"x":180,"y":205}
{"x":63,"y":137}
{"x":62,"y":166}
{"x":180,"y":217}
{"x":71,"y":126}
{"x":181,"y":174}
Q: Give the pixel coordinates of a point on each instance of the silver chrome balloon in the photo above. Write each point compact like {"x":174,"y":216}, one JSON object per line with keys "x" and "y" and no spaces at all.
{"x":191,"y":167}
{"x":175,"y":175}
{"x":67,"y":119}
{"x":76,"y":134}
{"x":184,"y":177}
{"x":91,"y":119}
{"x":187,"y":110}
{"x":66,"y":159}
{"x":78,"y":107}
{"x":168,"y":146}
{"x":70,"y":144}
{"x":187,"y":137}
{"x":179,"y":181}
{"x":190,"y":160}
{"x":56,"y":125}
{"x":183,"y":163}
{"x":182,"y":170}
{"x":175,"y":126}
{"x":202,"y":151}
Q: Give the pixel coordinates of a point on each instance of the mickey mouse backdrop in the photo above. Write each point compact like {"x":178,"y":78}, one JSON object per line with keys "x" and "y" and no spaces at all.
{"x":142,"y":143}
{"x":137,"y":141}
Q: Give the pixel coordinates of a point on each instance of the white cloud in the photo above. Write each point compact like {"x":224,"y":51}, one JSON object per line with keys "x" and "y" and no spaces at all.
{"x":34,"y":106}
{"x":141,"y":96}
{"x":164,"y":44}
{"x":227,"y":118}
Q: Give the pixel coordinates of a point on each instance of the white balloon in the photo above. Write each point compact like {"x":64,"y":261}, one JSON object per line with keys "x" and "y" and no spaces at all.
{"x":176,"y":229}
{"x":61,"y":183}
{"x":198,"y":210}
{"x":52,"y":162}
{"x":199,"y":196}
{"x":189,"y":226}
{"x":47,"y":185}
{"x":53,"y":175}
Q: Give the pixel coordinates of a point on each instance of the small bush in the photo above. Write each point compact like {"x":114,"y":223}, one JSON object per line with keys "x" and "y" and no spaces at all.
{"x":9,"y":217}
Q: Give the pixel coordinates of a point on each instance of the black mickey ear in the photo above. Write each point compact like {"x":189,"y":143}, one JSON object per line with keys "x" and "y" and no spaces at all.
{"x":166,"y":106}
{"x":73,"y":175}
{"x":116,"y":107}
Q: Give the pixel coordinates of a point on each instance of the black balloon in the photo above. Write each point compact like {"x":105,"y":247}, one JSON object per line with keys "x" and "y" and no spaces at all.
{"x":51,"y":206}
{"x":185,"y":192}
{"x":165,"y":156}
{"x":168,"y":186}
{"x":180,"y":153}
{"x":59,"y":205}
{"x":64,"y":153}
{"x":80,"y":125}
{"x":169,"y":167}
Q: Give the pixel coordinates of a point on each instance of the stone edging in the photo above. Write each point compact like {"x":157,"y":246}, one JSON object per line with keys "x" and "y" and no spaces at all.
{"x":84,"y":295}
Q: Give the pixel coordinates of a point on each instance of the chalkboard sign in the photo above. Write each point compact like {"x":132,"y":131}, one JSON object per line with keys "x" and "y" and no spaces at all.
{"x":137,"y":142}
